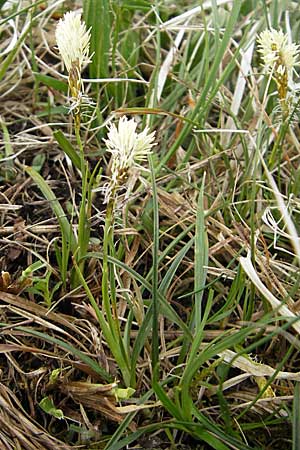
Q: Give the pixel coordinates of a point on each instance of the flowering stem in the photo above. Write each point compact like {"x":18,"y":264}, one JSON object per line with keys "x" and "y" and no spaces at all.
{"x":108,"y":231}
{"x":127,"y":148}
{"x":83,"y":225}
{"x":277,"y":147}
{"x":108,"y":292}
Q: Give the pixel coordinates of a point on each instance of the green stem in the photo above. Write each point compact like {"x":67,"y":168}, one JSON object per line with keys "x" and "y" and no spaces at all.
{"x":155,"y":299}
{"x":277,"y":147}
{"x":83,"y":225}
{"x":108,"y":231}
{"x":108,"y":292}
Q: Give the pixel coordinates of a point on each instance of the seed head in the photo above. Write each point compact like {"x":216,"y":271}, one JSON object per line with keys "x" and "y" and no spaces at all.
{"x":73,"y":41}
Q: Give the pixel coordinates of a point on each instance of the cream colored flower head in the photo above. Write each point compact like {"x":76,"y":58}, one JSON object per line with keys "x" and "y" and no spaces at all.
{"x":277,"y":54}
{"x":127,"y":146}
{"x":73,"y":41}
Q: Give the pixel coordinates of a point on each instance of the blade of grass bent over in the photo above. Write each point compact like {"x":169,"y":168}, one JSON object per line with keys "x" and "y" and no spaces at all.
{"x":68,"y":148}
{"x":74,"y":351}
{"x":64,"y":224}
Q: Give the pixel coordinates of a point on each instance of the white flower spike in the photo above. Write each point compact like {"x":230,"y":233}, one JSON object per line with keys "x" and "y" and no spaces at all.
{"x":126,"y":145}
{"x":277,"y":54}
{"x":279,"y":58}
{"x":73,"y":41}
{"x":127,"y":148}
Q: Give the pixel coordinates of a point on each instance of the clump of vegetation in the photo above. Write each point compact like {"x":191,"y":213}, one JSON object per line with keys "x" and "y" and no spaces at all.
{"x":150,"y":246}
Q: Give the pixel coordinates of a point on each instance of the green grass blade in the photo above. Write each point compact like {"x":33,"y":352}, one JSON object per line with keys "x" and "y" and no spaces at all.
{"x":122,"y":444}
{"x":296,"y":417}
{"x":5,"y":64}
{"x":218,"y":432}
{"x":62,"y":344}
{"x":21,"y":11}
{"x":51,"y":82}
{"x":108,"y":332}
{"x":201,"y":259}
{"x":212,"y":75}
{"x":97,"y":16}
{"x":141,"y":338}
{"x":166,"y":401}
{"x":64,"y":224}
{"x":165,"y":308}
{"x":164,"y":253}
{"x":126,"y":422}
{"x":189,"y":370}
{"x":68,"y":148}
{"x":203,"y":435}
{"x":155,"y":299}
{"x":170,"y":274}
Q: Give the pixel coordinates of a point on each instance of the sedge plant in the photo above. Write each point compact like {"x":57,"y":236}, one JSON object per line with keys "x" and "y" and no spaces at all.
{"x":73,"y":41}
{"x":128,"y":148}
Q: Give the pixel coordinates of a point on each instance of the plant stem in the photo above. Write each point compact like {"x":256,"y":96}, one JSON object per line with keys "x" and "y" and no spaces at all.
{"x":108,"y":293}
{"x":83,"y":224}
